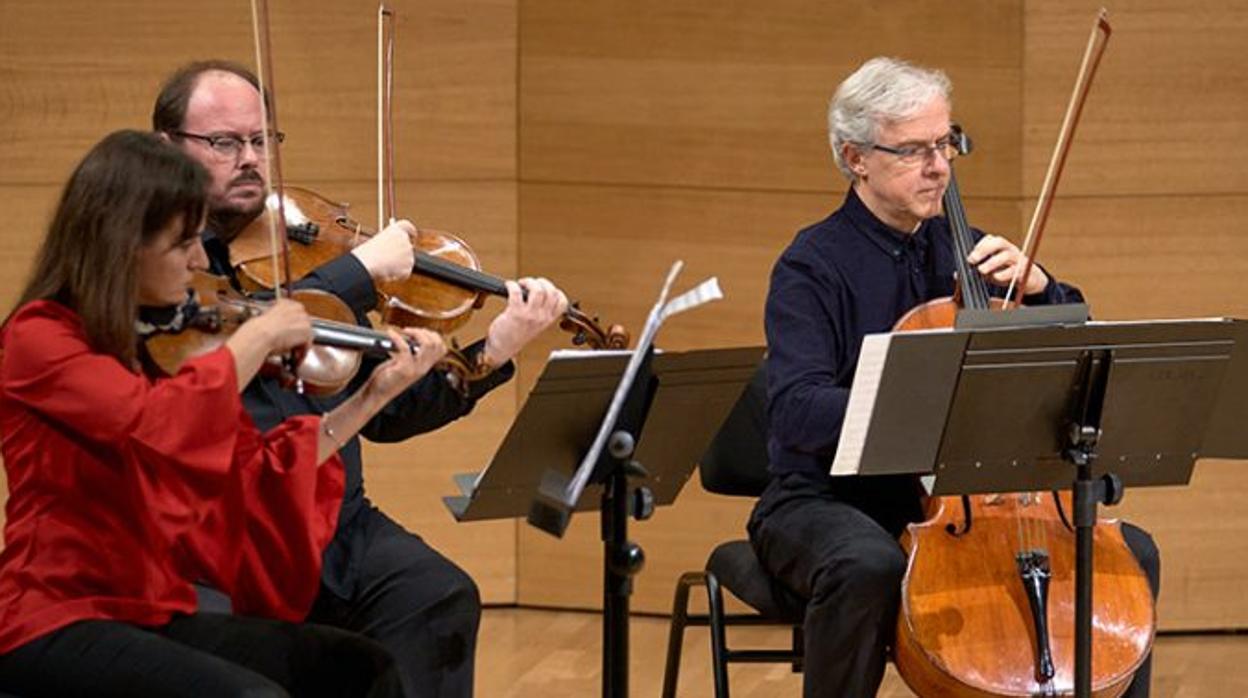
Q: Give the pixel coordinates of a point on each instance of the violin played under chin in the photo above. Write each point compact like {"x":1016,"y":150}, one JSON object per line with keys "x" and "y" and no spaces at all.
{"x":325,"y":367}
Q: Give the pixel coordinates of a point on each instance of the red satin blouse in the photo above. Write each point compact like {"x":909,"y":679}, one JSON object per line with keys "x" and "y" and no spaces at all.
{"x":123,"y":488}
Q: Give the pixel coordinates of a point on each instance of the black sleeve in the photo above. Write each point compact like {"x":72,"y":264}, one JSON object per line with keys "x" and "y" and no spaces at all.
{"x":807,"y":356}
{"x":431,"y":403}
{"x":1056,"y":293}
{"x":345,"y":277}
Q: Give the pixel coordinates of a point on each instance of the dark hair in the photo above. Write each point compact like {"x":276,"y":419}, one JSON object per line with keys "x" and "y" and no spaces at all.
{"x":169,"y":112}
{"x":128,"y":188}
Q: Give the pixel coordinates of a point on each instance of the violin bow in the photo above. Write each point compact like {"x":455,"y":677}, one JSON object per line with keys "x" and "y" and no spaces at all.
{"x":278,"y":245}
{"x":272,"y":153}
{"x":385,"y":115}
{"x":1091,"y":59}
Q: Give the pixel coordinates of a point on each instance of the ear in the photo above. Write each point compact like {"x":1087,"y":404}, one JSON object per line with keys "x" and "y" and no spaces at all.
{"x":854,"y":159}
{"x":164,"y":136}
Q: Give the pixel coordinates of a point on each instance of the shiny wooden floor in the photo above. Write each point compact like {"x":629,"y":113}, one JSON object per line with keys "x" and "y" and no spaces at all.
{"x":526,"y":653}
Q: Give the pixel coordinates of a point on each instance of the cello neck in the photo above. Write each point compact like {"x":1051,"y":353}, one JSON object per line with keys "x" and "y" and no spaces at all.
{"x":974,"y":288}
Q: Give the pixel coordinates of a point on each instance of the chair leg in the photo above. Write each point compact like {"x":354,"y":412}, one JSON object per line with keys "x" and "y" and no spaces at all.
{"x":719,"y":640}
{"x":799,"y":649}
{"x":676,"y":637}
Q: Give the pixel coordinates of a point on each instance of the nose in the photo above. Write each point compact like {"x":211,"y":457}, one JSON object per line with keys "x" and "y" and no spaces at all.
{"x":198,"y":259}
{"x":935,"y":164}
{"x":249,"y":155}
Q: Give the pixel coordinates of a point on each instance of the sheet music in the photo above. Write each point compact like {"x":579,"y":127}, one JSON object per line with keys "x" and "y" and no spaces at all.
{"x":861,"y":404}
{"x":706,"y":291}
{"x":579,"y":354}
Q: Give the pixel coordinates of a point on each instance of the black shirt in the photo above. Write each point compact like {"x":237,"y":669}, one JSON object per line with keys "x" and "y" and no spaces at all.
{"x":429,"y":404}
{"x":840,"y":279}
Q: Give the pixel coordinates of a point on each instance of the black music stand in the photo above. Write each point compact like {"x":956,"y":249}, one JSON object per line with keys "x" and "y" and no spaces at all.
{"x":672,"y":409}
{"x":1227,"y":437}
{"x":1124,"y":403}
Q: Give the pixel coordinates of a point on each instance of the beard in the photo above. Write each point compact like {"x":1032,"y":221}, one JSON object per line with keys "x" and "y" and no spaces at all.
{"x":227,"y":218}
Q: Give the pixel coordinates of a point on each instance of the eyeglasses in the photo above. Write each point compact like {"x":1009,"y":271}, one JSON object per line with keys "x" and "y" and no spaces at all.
{"x":914,"y":153}
{"x":229,"y":145}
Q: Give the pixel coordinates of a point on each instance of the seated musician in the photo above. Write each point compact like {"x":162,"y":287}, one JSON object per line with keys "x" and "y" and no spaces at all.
{"x":885,"y":250}
{"x":378,"y":579}
{"x":122,"y":490}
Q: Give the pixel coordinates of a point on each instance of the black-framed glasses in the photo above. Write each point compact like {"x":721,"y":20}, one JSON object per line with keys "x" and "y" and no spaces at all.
{"x":230,"y":145}
{"x":914,"y":153}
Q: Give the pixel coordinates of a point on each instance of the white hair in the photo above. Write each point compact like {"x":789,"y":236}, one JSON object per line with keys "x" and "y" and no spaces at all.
{"x":882,"y":90}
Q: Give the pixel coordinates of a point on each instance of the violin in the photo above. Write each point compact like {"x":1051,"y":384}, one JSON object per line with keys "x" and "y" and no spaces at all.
{"x":326,"y":367}
{"x":988,"y":601}
{"x":446,"y":286}
{"x":447,"y":283}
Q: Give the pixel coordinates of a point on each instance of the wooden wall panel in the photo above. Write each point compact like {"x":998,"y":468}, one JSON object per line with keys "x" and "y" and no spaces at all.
{"x":1139,"y":257}
{"x":454,"y":81}
{"x":735,"y":94}
{"x":30,"y":208}
{"x":1200,"y":531}
{"x":1167,"y":112}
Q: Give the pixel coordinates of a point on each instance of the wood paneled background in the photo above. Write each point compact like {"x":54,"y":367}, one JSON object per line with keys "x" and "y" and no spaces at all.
{"x":595,"y":143}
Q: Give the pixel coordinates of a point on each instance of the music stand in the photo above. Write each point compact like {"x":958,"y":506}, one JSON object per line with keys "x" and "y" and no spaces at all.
{"x":674,"y":405}
{"x":1125,"y":403}
{"x":1227,"y":437}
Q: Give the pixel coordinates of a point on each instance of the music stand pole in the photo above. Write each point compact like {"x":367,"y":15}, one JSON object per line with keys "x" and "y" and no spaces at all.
{"x":1088,"y":492}
{"x":622,"y":558}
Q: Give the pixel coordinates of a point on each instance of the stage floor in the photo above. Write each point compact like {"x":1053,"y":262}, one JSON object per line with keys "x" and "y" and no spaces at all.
{"x":526,"y":653}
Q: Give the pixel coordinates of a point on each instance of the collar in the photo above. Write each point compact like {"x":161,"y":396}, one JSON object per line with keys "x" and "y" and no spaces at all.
{"x":173,"y":319}
{"x":891,"y":241}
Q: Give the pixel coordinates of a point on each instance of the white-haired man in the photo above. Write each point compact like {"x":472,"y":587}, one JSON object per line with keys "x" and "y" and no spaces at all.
{"x":885,"y":250}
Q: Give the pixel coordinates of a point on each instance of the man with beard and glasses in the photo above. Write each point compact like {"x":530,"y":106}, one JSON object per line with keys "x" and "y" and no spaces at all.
{"x":378,"y":579}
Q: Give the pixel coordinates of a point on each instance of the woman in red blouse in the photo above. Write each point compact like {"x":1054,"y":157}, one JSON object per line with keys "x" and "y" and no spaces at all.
{"x":121,"y":493}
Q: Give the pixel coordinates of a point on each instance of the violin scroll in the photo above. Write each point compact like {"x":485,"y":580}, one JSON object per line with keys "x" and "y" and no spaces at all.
{"x":586,"y":331}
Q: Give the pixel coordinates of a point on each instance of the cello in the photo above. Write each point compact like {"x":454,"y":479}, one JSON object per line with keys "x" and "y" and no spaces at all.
{"x":988,"y":601}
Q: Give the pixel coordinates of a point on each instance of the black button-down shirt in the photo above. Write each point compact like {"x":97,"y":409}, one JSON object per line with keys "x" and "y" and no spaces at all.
{"x":842,"y":278}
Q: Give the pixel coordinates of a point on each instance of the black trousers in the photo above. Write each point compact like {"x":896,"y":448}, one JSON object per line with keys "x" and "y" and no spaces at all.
{"x":205,"y":654}
{"x":413,"y":601}
{"x":840,"y":552}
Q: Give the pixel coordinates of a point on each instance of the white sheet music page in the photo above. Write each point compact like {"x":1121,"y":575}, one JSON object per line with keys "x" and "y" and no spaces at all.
{"x":861,"y":404}
{"x":702,"y":293}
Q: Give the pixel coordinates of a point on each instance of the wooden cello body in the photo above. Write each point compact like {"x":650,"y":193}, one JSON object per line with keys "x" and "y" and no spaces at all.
{"x":988,"y":599}
{"x":967,"y":627}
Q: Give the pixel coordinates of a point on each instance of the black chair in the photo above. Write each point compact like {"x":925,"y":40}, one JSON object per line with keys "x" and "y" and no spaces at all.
{"x":736,"y":464}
